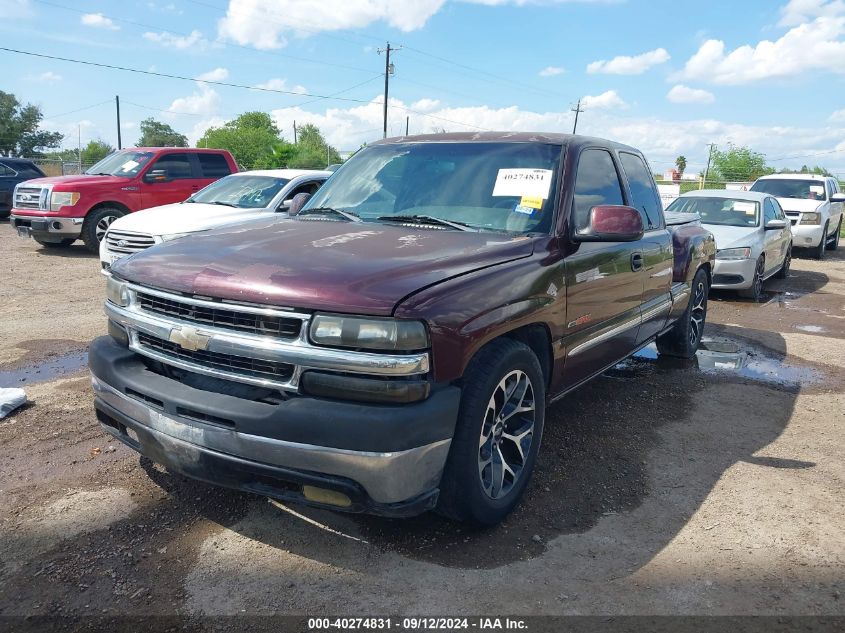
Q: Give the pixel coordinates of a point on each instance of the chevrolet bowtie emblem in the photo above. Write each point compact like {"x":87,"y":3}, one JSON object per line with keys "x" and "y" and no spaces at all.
{"x":189,"y":338}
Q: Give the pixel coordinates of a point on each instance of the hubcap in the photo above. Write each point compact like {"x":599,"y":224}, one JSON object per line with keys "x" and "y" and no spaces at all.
{"x":758,"y":280}
{"x":506,"y":434}
{"x":698,"y":313}
{"x":103,"y":225}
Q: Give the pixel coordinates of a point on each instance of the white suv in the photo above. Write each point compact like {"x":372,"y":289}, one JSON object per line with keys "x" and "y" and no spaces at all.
{"x":814,"y":204}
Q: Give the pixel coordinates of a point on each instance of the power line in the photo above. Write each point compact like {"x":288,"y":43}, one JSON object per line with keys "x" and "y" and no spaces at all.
{"x":56,"y":116}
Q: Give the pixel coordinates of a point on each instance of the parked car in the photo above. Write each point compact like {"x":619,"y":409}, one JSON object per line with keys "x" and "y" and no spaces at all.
{"x":753,"y":236}
{"x":58,"y":211}
{"x":14,"y":171}
{"x":236,"y":198}
{"x":813,"y":204}
{"x":393,"y":346}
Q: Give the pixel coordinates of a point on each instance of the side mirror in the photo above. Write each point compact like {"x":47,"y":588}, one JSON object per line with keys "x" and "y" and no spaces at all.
{"x":772,"y":225}
{"x":156,"y":175}
{"x":283,"y":208}
{"x":838,"y":197}
{"x":612,"y":223}
{"x":297,"y":202}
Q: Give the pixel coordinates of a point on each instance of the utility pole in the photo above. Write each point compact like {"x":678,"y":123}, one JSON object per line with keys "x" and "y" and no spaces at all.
{"x":577,"y":110}
{"x":407,"y":120}
{"x":707,"y":168}
{"x":294,"y":132}
{"x":117,"y":105}
{"x":79,"y":148}
{"x":388,"y":71}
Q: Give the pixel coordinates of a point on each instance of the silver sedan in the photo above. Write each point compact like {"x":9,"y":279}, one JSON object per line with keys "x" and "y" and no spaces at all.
{"x":753,"y":236}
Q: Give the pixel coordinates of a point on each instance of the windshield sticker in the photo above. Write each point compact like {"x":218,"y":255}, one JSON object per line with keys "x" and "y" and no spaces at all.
{"x":518,"y":208}
{"x":533,"y":183}
{"x":534,"y":202}
{"x":817,"y":189}
{"x":749,"y":208}
{"x":129,"y":165}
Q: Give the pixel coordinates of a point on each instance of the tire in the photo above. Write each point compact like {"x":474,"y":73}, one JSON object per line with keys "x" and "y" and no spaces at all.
{"x":755,"y":292}
{"x":95,"y":226}
{"x":783,"y":273}
{"x":683,"y":339}
{"x":833,"y":244}
{"x":818,"y":251}
{"x":63,"y":244}
{"x":475,"y":488}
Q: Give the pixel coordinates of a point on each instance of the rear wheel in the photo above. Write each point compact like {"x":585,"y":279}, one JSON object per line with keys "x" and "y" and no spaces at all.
{"x":62,"y":244}
{"x":787,"y":262}
{"x":497,"y":436}
{"x":756,"y":290}
{"x":818,"y":251}
{"x":683,"y":339}
{"x":96,"y":224}
{"x":833,"y":244}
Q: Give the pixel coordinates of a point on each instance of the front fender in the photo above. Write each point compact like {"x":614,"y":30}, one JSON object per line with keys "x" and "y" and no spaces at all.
{"x":694,"y":247}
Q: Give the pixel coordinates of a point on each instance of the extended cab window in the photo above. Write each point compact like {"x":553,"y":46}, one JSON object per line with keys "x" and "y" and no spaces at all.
{"x":596,"y":183}
{"x":6,"y":171}
{"x":213,"y":165}
{"x":176,"y":165}
{"x":644,"y":196}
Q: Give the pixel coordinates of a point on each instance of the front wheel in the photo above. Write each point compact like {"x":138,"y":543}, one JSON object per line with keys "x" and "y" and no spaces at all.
{"x":755,"y":292}
{"x":683,"y":339}
{"x":95,"y":226}
{"x":833,"y":244}
{"x":783,"y":273}
{"x":497,"y":436}
{"x":818,"y":251}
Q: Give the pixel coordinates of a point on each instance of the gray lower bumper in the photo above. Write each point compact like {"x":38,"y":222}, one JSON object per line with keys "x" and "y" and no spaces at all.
{"x":49,"y":228}
{"x":387,"y":478}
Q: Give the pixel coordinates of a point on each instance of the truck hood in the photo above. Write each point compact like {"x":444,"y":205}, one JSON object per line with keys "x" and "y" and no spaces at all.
{"x":70,"y":181}
{"x":185,"y":218}
{"x":364,"y":268}
{"x":799,"y":204}
{"x":733,"y":236}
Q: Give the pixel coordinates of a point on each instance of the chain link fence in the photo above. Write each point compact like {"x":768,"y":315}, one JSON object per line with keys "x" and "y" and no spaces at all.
{"x":53,"y":167}
{"x":672,"y":189}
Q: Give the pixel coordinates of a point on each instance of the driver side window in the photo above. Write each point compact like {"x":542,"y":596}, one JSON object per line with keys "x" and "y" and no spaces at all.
{"x":176,"y":165}
{"x":596,"y":183}
{"x":769,"y":212}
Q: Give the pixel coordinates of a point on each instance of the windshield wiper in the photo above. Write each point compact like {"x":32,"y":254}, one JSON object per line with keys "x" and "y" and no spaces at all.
{"x":99,"y":173}
{"x":347,"y":215}
{"x":223,"y":204}
{"x":428,"y":219}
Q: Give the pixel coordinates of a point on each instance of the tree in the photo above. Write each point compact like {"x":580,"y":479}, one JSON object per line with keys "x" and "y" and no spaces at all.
{"x":681,"y":164}
{"x":95,"y":151}
{"x":251,"y":138}
{"x":280,"y":156}
{"x":737,"y":163}
{"x":313,"y":152}
{"x":19,"y":131}
{"x":157,"y":134}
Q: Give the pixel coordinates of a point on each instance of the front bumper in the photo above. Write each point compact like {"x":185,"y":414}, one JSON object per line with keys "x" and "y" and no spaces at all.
{"x":807,"y":235}
{"x":386,"y":459}
{"x":49,"y":228}
{"x":733,"y":274}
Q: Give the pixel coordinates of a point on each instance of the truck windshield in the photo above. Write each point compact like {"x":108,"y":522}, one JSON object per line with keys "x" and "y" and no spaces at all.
{"x":487,"y":186}
{"x":720,"y":211}
{"x":244,"y":192}
{"x":791,"y":188}
{"x":127,"y":164}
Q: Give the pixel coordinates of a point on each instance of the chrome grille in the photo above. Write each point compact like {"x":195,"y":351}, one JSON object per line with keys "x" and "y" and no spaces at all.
{"x":251,"y":367}
{"x":127,"y":241}
{"x":31,"y":197}
{"x":223,"y":316}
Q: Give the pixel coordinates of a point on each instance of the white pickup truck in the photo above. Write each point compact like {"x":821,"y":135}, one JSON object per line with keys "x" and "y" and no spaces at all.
{"x":242,"y":196}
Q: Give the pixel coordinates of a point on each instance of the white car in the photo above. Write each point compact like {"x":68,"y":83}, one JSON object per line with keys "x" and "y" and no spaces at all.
{"x":814,"y":205}
{"x":236,"y":198}
{"x":753,"y":236}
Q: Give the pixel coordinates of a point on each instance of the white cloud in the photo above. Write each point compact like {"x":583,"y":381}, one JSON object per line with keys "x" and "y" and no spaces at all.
{"x":218,"y":74}
{"x":838,"y":116}
{"x":48,"y":77}
{"x":425,"y":105}
{"x":629,"y":65}
{"x":551,"y":71}
{"x":816,"y":45}
{"x":194,"y":39}
{"x":15,"y":9}
{"x":683,"y":94}
{"x":203,"y":102}
{"x":605,"y":101}
{"x":98,"y":20}
{"x":797,"y":12}
{"x":264,"y":25}
{"x":281,"y":84}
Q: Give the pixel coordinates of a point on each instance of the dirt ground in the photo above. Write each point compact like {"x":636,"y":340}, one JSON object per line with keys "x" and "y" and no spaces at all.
{"x":713,"y":486}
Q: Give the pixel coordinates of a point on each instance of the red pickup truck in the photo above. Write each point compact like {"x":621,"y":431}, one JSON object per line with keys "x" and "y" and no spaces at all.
{"x":58,"y":211}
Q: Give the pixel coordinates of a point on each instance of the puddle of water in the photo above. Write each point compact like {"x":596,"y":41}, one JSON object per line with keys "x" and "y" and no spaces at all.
{"x":49,"y":369}
{"x":721,"y":356}
{"x":815,"y":329}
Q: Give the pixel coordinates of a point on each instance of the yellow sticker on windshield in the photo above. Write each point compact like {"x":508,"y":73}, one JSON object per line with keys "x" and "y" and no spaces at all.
{"x":535,"y":202}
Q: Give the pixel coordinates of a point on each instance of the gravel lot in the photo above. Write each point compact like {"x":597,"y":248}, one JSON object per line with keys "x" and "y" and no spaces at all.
{"x":663,"y":487}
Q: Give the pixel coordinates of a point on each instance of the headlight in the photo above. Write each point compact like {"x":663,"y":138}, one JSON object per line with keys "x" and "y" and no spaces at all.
{"x":360,"y":332}
{"x":61,"y":199}
{"x":734,"y":253}
{"x":173,"y":236}
{"x":117,"y":292}
{"x":811,"y":218}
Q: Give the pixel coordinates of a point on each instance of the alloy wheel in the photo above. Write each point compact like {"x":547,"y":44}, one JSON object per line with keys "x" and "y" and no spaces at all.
{"x":758,"y":279}
{"x":506,"y":434}
{"x":698,"y":314}
{"x":103,"y":225}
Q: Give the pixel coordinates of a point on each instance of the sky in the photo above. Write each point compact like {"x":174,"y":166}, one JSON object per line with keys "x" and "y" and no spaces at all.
{"x":668,"y":77}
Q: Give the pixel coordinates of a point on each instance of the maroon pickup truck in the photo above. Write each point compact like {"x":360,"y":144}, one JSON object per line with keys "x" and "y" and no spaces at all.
{"x":394,"y":345}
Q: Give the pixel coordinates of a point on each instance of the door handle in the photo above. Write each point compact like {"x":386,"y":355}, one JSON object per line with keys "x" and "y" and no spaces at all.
{"x":636,"y":261}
